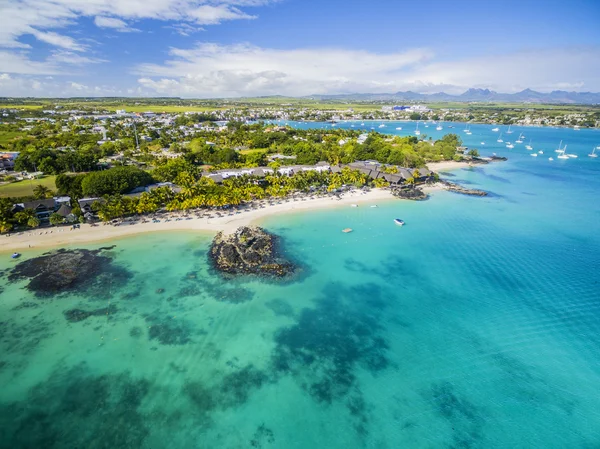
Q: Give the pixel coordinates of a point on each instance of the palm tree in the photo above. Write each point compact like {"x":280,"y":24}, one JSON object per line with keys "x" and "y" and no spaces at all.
{"x":33,"y":222}
{"x":40,"y":192}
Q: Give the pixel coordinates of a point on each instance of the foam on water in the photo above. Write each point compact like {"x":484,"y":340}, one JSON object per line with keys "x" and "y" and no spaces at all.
{"x":475,"y":325}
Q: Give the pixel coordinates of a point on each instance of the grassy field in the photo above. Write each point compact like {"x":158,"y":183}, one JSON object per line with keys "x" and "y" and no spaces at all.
{"x":25,"y":187}
{"x":8,"y":136}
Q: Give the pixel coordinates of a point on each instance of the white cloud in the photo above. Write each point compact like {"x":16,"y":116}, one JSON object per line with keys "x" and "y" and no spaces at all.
{"x":20,"y":17}
{"x":111,"y":22}
{"x":544,"y":70}
{"x":58,"y":40}
{"x":27,"y":86}
{"x":185,"y":29}
{"x":68,"y":57}
{"x":216,"y":70}
{"x":212,"y":70}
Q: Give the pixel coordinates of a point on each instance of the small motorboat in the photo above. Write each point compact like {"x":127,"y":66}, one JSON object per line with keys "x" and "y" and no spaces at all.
{"x":347,"y":230}
{"x":399,"y":222}
{"x":15,"y":256}
{"x":374,"y":205}
{"x":550,"y":158}
{"x":354,"y":205}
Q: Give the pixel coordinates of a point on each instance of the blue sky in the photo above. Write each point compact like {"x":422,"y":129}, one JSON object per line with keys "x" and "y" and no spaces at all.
{"x":230,"y":48}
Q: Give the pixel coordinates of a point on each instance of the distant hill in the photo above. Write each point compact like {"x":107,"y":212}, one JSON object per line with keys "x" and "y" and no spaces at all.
{"x":481,"y":95}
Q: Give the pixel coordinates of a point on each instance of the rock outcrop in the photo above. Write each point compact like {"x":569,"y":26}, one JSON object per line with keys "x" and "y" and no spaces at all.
{"x":66,"y":270}
{"x":249,"y":251}
{"x":413,"y":193}
{"x":452,"y":187}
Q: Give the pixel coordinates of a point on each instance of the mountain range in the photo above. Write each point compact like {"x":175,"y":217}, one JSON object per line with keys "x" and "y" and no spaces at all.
{"x":479,"y":95}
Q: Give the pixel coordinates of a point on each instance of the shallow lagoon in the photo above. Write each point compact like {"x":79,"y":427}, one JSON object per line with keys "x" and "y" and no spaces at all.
{"x":475,"y":325}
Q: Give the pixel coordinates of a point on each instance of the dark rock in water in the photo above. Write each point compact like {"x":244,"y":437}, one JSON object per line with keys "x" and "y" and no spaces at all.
{"x":75,"y":315}
{"x":498,"y":158}
{"x":160,"y":290}
{"x":64,"y":270}
{"x":249,"y":250}
{"x":460,"y":189}
{"x":413,"y":193}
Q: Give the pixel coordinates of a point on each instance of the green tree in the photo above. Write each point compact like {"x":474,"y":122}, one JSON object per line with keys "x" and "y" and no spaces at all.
{"x":56,"y":219}
{"x":33,"y":222}
{"x":40,"y":192}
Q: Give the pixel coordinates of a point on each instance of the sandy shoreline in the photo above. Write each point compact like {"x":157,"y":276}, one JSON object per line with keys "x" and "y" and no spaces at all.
{"x":447,"y":165}
{"x":63,"y":236}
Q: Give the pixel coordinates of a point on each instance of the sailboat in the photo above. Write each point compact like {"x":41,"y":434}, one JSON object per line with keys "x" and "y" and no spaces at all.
{"x":509,"y":145}
{"x":468,"y":133}
{"x":417,"y":132}
{"x":593,"y":153}
{"x":509,"y":131}
{"x":500,"y":138}
{"x":439,"y":127}
{"x":559,"y":150}
{"x":563,"y":155}
{"x":520,"y":139}
{"x":528,"y":146}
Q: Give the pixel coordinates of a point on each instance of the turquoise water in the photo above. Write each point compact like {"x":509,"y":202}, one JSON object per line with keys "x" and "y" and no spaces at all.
{"x":475,"y":325}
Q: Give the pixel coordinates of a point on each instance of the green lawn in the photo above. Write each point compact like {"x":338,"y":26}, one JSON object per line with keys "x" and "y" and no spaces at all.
{"x":7,"y":136}
{"x":25,"y":187}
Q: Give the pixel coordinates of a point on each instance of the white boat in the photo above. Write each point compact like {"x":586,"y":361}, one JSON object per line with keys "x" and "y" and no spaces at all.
{"x":576,"y":128}
{"x":550,"y":158}
{"x":533,"y":154}
{"x":540,"y":152}
{"x":417,"y":132}
{"x":528,"y":146}
{"x":439,"y":127}
{"x":509,"y":145}
{"x":362,"y":124}
{"x":382,"y":126}
{"x":500,"y":138}
{"x":399,"y":222}
{"x":509,"y":131}
{"x":573,"y":156}
{"x":520,"y":139}
{"x":374,"y":205}
{"x":593,"y":153}
{"x":563,"y":155}
{"x":495,"y":129}
{"x":15,"y":256}
{"x":351,"y":126}
{"x":354,"y":205}
{"x":399,"y":128}
{"x":482,"y":143}
{"x":559,"y":149}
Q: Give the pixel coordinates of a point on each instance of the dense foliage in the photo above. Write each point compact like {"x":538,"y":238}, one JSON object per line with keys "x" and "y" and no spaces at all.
{"x":114,"y":181}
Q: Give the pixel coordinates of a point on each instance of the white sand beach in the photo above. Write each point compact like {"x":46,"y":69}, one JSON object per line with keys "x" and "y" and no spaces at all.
{"x":58,"y":236}
{"x":447,"y":165}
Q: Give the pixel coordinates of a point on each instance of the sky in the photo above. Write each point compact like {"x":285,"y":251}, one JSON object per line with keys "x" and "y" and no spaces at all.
{"x":235,"y":48}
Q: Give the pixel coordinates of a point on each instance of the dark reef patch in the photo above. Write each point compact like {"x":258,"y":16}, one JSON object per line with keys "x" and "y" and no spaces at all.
{"x":26,"y":305}
{"x":280,"y":307}
{"x":171,"y":331}
{"x":62,"y":271}
{"x":465,"y":418}
{"x":330,"y":341}
{"x":233,"y":390}
{"x":22,"y":338}
{"x":75,"y":409}
{"x":76,"y":315}
{"x":262,"y":436}
{"x":393,"y":268}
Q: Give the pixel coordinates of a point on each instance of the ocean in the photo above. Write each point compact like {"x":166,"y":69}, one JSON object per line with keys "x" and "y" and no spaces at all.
{"x":475,"y":325}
